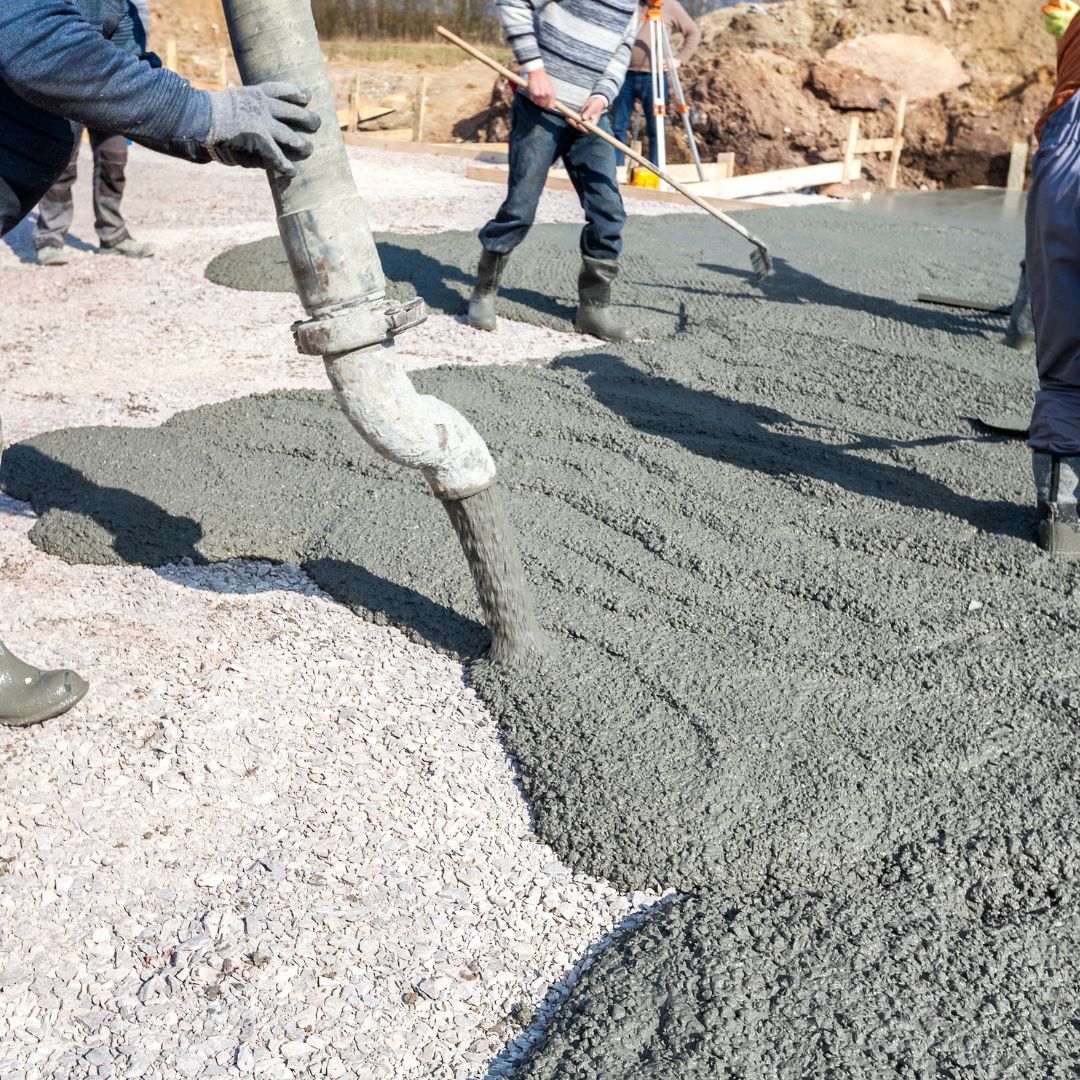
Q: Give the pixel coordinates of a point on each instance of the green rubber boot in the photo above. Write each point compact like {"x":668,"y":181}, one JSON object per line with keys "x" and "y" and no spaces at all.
{"x":594,"y":314}
{"x":482,"y":301}
{"x":29,"y":695}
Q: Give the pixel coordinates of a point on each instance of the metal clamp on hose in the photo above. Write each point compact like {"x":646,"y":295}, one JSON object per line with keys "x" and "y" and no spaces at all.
{"x":357,"y":326}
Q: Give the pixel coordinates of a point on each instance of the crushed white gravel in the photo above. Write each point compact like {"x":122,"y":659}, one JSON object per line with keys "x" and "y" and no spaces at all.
{"x":275,"y":841}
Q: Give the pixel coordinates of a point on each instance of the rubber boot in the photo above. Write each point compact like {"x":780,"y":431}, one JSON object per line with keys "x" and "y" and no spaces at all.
{"x":482,"y":301}
{"x":1021,"y":331}
{"x":594,"y":314}
{"x":130,"y":247}
{"x":29,"y":696}
{"x":52,"y":255}
{"x":1057,"y":484}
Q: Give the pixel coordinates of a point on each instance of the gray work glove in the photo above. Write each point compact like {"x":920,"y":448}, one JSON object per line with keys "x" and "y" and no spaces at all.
{"x":259,"y":126}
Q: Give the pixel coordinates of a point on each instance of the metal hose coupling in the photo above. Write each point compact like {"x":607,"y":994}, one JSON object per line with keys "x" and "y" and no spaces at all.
{"x":357,"y":325}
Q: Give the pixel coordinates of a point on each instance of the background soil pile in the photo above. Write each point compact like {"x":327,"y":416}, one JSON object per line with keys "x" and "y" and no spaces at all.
{"x":769,"y":85}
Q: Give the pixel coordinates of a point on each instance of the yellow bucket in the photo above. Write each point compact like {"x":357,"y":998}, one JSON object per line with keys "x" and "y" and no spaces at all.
{"x":645,"y":178}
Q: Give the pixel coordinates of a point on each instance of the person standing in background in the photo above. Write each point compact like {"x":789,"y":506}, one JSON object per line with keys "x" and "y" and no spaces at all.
{"x":638,"y":83}
{"x":122,"y":22}
{"x":1052,"y":270}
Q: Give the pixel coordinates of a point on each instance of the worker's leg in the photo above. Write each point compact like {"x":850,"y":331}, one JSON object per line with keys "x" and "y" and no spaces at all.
{"x":621,"y":111}
{"x":1052,"y":269}
{"x":55,"y":211}
{"x":110,"y":165}
{"x":647,"y":101}
{"x":110,"y":169}
{"x":590,"y":161}
{"x":537,"y":138}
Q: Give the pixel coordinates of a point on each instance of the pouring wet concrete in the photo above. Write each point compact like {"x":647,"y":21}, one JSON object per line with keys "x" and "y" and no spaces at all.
{"x":807,"y":664}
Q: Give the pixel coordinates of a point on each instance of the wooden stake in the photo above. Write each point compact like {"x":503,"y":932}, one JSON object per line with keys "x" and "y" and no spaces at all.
{"x":898,"y":143}
{"x":726,"y":161}
{"x":354,"y":104}
{"x":420,"y":110}
{"x":170,"y":54}
{"x":849,"y":149}
{"x":1017,"y":167}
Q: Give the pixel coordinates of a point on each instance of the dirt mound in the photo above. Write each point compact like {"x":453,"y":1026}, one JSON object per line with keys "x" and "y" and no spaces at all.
{"x":777,"y":83}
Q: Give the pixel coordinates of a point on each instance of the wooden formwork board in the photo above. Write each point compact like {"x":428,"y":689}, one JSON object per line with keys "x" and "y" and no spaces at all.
{"x":733,"y":189}
{"x":559,"y":181}
{"x":487,"y":152}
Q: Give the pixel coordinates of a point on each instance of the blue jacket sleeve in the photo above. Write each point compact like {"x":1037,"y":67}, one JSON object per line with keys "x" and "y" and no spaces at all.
{"x":54,"y":59}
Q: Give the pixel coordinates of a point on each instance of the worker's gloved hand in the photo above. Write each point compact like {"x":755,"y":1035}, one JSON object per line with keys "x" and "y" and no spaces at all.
{"x":1058,"y":16}
{"x":260,"y":126}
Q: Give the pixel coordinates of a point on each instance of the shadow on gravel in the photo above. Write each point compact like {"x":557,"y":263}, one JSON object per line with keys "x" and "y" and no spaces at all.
{"x":399,"y":605}
{"x":141,"y":531}
{"x":741,"y":434}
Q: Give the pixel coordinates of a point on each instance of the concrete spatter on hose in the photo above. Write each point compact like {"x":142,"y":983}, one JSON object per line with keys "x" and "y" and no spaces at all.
{"x":801,"y":642}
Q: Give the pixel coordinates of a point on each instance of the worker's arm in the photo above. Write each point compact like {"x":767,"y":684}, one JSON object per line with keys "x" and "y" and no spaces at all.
{"x":610,"y":83}
{"x":683,"y":24}
{"x":53,"y":58}
{"x":516,"y":17}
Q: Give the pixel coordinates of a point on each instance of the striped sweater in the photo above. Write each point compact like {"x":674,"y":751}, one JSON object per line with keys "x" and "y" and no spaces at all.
{"x":584,"y":45}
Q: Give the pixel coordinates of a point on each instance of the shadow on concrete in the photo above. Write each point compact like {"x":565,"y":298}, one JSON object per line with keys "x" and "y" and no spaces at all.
{"x":789,"y":285}
{"x":142,"y":532}
{"x":431,"y":278}
{"x":742,"y":434}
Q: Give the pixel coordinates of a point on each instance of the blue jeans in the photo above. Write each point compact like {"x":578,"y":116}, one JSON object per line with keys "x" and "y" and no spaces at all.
{"x":636,"y":87}
{"x":537,"y":140}
{"x":1052,"y":266}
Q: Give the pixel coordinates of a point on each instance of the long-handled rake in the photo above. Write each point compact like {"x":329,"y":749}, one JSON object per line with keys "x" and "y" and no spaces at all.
{"x":760,"y":259}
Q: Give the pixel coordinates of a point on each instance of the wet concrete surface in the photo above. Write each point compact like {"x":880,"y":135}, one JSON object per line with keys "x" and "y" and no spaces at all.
{"x":808,"y":665}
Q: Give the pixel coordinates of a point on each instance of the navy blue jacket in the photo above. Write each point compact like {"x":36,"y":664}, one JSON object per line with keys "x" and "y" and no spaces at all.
{"x":84,"y":61}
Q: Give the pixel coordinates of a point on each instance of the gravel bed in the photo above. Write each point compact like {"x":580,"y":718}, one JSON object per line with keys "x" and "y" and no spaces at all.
{"x":276,"y":840}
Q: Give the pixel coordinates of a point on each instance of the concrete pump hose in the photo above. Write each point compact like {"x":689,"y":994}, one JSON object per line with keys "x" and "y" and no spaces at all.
{"x":411,"y":429}
{"x":327,"y":239}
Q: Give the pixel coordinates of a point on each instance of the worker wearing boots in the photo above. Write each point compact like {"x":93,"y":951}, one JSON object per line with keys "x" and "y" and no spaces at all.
{"x":56,"y":67}
{"x":576,"y":52}
{"x":1052,"y":265}
{"x":123,"y":27}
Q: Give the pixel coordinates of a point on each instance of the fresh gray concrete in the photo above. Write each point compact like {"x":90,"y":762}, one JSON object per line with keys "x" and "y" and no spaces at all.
{"x":808,"y":665}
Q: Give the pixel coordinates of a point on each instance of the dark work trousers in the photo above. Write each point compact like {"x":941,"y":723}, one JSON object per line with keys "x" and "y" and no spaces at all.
{"x":1052,"y":267}
{"x":57,"y":207}
{"x":636,"y":87}
{"x":537,"y":140}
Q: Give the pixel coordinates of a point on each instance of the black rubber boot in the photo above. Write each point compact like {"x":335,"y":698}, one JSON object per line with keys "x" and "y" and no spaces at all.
{"x":28,"y":695}
{"x":482,"y":301}
{"x":1021,"y":332}
{"x":594,"y":314}
{"x":1057,"y":486}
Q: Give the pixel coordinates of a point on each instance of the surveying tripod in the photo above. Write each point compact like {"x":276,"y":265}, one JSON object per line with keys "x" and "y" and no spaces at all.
{"x":661,"y":53}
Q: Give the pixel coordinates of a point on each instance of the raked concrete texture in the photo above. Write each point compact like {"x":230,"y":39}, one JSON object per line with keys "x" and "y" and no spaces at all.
{"x":808,"y":666}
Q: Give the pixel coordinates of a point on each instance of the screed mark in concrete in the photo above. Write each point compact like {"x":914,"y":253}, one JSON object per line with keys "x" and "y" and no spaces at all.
{"x":808,"y":666}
